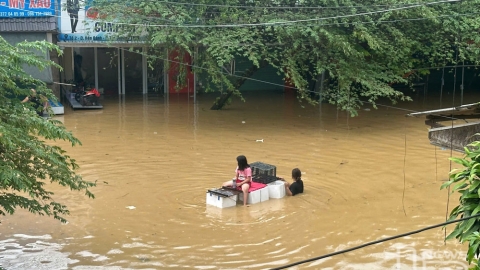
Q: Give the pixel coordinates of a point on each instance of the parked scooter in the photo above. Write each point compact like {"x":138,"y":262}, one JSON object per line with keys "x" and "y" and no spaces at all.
{"x":88,"y":98}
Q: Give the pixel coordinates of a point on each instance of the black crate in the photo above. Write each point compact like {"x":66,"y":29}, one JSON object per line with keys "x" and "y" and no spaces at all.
{"x":264,"y":179}
{"x":259,"y":168}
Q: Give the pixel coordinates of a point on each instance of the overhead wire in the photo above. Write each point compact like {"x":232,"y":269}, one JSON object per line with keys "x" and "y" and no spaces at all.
{"x":375,"y":242}
{"x":277,"y":7}
{"x":329,"y":24}
{"x":451,"y":141}
{"x":272,"y":23}
{"x":266,"y":82}
{"x":308,"y":20}
{"x":312,"y":91}
{"x":404,"y":172}
{"x":287,"y":23}
{"x":272,"y":83}
{"x":297,"y":21}
{"x":404,"y":167}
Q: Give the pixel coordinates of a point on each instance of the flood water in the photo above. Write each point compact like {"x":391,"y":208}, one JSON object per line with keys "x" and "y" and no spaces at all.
{"x":368,"y":177}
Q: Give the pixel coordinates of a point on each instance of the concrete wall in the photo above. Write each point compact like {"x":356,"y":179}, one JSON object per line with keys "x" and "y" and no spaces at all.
{"x":458,"y":138}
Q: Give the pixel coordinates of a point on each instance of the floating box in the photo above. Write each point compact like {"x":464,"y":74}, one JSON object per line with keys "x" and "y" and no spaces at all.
{"x":264,"y":194}
{"x":222,"y":198}
{"x":211,"y":199}
{"x":259,"y":195}
{"x":57,"y":107}
{"x":276,"y":189}
{"x":263,"y":168}
{"x":253,"y":197}
{"x":221,"y":202}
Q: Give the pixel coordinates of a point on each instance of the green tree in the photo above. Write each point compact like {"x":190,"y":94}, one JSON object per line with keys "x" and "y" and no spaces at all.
{"x":29,"y":158}
{"x":466,"y":182}
{"x":364,"y":47}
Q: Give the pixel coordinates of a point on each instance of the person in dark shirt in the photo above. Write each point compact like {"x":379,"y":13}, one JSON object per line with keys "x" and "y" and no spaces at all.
{"x":37,"y":103}
{"x":297,"y":186}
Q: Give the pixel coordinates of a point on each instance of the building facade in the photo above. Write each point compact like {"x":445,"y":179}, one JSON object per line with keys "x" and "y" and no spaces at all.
{"x":31,"y":21}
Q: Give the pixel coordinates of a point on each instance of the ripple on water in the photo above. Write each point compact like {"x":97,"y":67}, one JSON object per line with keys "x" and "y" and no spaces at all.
{"x":353,"y":178}
{"x":25,"y":236}
{"x":115,"y":251}
{"x":96,"y":257}
{"x":46,"y":256}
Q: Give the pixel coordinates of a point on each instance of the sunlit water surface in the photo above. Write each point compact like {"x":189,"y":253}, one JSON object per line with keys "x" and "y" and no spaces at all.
{"x":367,"y":177}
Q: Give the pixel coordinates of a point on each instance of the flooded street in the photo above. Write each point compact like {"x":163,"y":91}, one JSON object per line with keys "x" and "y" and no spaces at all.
{"x":367,"y":177}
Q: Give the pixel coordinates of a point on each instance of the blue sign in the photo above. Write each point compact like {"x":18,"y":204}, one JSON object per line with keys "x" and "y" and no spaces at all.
{"x":26,"y":8}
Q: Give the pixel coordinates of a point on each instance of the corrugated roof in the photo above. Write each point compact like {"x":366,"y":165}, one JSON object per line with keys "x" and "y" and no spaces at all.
{"x":39,"y":24}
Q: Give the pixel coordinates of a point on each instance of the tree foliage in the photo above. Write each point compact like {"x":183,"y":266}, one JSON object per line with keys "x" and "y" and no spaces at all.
{"x":364,"y":46}
{"x":29,"y":159}
{"x":466,"y":182}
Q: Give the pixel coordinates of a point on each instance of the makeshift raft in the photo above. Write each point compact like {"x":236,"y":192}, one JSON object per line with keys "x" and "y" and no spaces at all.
{"x":264,"y":186}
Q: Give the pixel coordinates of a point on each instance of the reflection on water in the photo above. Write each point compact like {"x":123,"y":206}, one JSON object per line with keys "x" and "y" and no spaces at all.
{"x":155,"y":157}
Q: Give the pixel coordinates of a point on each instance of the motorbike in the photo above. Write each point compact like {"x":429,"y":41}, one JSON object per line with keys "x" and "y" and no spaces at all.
{"x":88,"y":98}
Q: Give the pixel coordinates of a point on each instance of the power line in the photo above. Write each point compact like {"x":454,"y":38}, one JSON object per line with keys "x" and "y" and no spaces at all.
{"x":281,"y":22}
{"x":359,"y":23}
{"x":277,"y":7}
{"x":271,"y":83}
{"x":296,"y":21}
{"x":375,"y":242}
{"x":336,"y":23}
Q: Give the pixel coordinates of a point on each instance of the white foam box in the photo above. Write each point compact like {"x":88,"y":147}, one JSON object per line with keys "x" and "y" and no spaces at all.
{"x":264,"y":194}
{"x":259,"y":195}
{"x":221,"y":202}
{"x":276,"y":189}
{"x":57,"y":107}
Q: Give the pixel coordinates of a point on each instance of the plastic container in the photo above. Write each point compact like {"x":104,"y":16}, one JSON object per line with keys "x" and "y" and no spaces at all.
{"x":276,"y":189}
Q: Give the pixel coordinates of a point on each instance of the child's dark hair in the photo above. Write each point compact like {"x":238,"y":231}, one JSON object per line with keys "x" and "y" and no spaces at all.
{"x":296,"y":174}
{"x":242,"y":163}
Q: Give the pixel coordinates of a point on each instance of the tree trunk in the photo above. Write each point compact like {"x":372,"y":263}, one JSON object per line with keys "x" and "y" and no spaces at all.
{"x":222,"y":100}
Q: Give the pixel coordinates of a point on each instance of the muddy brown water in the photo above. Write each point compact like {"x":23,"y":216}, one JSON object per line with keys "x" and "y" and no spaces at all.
{"x":368,"y":177}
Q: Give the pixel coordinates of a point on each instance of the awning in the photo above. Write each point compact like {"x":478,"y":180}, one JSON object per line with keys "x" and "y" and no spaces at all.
{"x":37,"y":24}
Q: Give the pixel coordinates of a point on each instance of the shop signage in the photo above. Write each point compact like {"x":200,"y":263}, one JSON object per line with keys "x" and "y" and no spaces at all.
{"x":26,"y":8}
{"x":79,"y":23}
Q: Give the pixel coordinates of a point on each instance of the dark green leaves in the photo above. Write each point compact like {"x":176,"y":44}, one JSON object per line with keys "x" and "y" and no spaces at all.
{"x":364,"y":47}
{"x":28,"y":154}
{"x":467,"y":183}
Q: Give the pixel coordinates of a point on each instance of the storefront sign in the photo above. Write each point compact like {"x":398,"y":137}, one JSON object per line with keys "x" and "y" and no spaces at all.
{"x":78,"y":23}
{"x":26,"y":8}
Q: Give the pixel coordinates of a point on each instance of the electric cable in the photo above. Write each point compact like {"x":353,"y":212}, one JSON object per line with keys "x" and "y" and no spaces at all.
{"x":404,"y":166}
{"x":299,"y":21}
{"x":277,"y":7}
{"x":273,"y":23}
{"x":441,"y":86}
{"x":336,"y":23}
{"x":375,"y":242}
{"x":323,"y":24}
{"x":275,"y":84}
{"x":451,"y":141}
{"x":436,"y":164}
